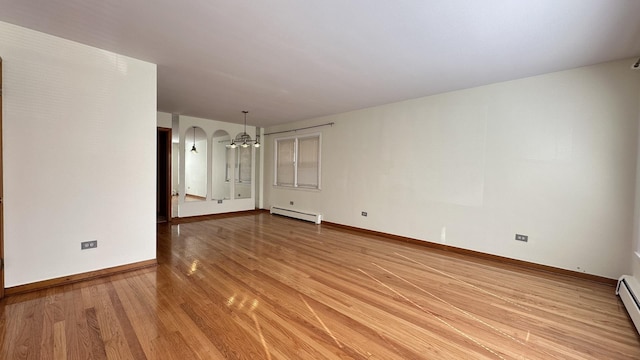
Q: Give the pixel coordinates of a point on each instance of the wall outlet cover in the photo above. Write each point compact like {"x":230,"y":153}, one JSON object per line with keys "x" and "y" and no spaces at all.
{"x":92,"y":244}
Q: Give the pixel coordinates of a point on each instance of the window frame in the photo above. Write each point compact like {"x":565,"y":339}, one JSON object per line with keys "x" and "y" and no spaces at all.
{"x":239,"y":165}
{"x":237,"y":162}
{"x":296,"y":150}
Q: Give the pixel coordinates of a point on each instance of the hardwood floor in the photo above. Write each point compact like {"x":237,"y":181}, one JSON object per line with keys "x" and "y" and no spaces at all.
{"x":267,"y":287}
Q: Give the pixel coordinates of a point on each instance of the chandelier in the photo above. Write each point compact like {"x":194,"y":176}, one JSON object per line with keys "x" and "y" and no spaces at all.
{"x":243,"y":139}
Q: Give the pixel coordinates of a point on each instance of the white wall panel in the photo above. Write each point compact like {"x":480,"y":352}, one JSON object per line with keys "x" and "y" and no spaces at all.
{"x":551,"y":156}
{"x":79,"y":132}
{"x":164,"y":120}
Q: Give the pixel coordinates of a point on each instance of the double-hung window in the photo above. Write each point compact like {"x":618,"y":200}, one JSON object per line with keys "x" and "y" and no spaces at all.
{"x":240,"y":158}
{"x":297,"y":162}
{"x":243,"y":167}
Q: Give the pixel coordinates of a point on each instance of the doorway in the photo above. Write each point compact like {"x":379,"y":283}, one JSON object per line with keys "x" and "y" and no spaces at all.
{"x":163,"y":175}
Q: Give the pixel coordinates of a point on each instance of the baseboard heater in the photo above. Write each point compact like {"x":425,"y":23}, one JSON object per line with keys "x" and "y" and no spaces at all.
{"x":302,"y":215}
{"x":629,"y":291}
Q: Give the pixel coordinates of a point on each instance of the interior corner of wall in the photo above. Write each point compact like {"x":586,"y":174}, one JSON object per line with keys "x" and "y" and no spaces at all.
{"x":635,"y":265}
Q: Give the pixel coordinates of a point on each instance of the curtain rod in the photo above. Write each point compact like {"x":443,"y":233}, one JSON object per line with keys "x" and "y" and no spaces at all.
{"x":304,"y":128}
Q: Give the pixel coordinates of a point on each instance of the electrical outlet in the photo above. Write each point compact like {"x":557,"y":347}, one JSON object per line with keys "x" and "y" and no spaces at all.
{"x":364,"y":213}
{"x":521,"y":237}
{"x":88,"y":244}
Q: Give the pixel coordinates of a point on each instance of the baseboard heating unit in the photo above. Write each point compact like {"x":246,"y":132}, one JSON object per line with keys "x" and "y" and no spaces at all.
{"x":629,"y":293}
{"x":302,"y":215}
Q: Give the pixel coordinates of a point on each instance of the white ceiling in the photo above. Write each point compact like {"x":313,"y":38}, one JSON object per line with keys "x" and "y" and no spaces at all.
{"x":286,"y":60}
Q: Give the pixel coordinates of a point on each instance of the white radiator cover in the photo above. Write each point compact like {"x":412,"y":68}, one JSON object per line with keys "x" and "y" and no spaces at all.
{"x":629,"y":291}
{"x":297,"y":214}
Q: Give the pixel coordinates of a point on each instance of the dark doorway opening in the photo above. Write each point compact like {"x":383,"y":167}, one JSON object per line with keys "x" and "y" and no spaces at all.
{"x":163,"y":175}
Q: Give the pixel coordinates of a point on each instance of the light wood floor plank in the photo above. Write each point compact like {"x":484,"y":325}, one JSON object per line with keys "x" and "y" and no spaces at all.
{"x":59,"y":343}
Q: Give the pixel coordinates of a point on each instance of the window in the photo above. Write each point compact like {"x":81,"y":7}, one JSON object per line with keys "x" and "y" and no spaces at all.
{"x":244,"y":164}
{"x":297,"y":162}
{"x":240,"y":158}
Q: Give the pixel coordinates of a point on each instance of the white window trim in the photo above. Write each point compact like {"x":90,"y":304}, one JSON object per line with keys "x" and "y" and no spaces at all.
{"x":236,"y":167}
{"x":295,"y":162}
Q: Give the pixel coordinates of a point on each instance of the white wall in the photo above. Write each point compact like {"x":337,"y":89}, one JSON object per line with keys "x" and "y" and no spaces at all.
{"x":551,"y":156}
{"x":164,"y":120}
{"x":635,"y":251}
{"x":79,"y":133}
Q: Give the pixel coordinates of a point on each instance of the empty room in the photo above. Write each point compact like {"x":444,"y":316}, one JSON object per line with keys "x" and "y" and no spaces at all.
{"x":320,"y":179}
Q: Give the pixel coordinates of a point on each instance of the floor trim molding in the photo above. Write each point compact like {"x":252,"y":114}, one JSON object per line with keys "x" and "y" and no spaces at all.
{"x":70,"y":279}
{"x":477,"y":254}
{"x":188,"y":219}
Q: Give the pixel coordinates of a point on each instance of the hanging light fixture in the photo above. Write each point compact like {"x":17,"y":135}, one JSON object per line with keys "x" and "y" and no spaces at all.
{"x":193,"y":148}
{"x":243,"y":139}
